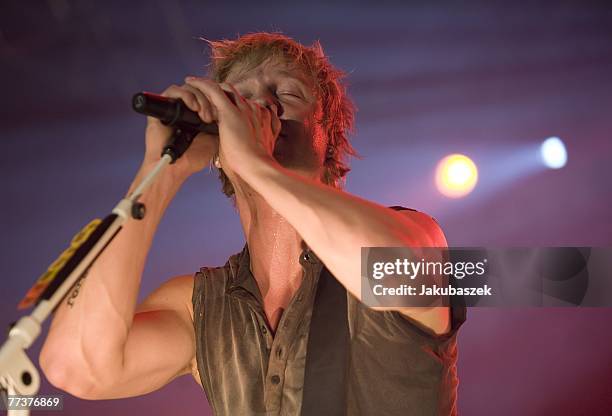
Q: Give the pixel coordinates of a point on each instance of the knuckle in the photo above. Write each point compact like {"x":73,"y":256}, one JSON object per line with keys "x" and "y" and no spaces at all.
{"x":205,"y":116}
{"x":193,"y":89}
{"x":168,"y":91}
{"x":176,"y":91}
{"x":204,"y":82}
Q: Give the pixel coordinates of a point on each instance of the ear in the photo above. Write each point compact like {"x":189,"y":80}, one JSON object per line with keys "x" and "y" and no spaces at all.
{"x":330,"y":152}
{"x":217,"y":162}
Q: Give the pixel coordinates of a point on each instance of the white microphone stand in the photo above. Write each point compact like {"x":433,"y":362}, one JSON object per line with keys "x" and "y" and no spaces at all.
{"x":18,"y":375}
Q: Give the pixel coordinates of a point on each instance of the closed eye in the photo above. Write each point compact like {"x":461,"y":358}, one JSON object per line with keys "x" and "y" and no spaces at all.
{"x":290,"y":94}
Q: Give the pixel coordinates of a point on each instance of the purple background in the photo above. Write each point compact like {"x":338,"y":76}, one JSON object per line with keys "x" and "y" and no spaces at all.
{"x":487,"y":81}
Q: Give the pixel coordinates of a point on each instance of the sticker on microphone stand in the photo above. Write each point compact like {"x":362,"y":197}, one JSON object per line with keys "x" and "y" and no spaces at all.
{"x":45,"y":280}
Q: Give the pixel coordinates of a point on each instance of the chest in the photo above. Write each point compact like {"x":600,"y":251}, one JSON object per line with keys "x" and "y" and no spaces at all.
{"x":275,"y":303}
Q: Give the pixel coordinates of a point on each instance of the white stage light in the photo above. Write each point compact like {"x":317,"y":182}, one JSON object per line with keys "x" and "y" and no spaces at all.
{"x":553,"y":153}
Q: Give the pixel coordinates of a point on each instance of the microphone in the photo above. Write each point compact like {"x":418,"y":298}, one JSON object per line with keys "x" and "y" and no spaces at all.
{"x":172,"y":112}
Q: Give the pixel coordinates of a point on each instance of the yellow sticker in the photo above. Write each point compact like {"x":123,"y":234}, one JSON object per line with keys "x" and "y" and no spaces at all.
{"x":45,"y":280}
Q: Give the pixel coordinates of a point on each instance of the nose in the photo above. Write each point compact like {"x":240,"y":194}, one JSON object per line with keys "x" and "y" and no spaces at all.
{"x":271,"y":104}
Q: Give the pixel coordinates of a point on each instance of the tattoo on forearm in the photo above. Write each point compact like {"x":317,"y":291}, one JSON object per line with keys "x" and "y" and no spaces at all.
{"x":77,"y":288}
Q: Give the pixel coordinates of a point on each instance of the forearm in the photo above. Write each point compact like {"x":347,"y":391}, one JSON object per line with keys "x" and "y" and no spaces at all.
{"x":333,"y":223}
{"x":92,"y":328}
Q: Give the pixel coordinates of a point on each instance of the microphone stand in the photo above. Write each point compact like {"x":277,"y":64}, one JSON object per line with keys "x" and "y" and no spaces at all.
{"x":18,"y":375}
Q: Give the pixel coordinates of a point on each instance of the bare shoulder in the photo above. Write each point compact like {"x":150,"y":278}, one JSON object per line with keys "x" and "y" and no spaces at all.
{"x":174,"y":294}
{"x":428,"y":224}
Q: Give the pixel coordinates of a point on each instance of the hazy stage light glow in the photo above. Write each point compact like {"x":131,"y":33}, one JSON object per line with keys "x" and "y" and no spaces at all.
{"x":456,"y":176}
{"x":553,"y":153}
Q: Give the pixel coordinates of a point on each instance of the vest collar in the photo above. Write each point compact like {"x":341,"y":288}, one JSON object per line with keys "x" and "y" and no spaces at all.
{"x":242,"y":278}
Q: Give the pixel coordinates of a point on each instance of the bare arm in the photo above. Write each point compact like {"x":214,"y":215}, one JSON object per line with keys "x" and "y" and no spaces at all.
{"x":101,"y":345}
{"x":86,"y":349}
{"x":160,"y":345}
{"x":336,"y":224}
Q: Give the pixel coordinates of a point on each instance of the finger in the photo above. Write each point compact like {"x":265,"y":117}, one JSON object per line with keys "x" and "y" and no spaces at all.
{"x":216,"y":96}
{"x":205,"y":112}
{"x":265,"y":115}
{"x":190,"y":100}
{"x":258,"y":117}
{"x":241,"y":102}
{"x":270,"y":119}
{"x":276,"y":123}
{"x":255,"y":111}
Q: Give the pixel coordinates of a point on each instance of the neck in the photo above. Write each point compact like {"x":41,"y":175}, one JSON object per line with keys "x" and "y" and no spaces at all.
{"x":274,"y":248}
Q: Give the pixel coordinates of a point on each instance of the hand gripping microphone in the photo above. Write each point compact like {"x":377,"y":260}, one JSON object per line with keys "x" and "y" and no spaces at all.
{"x":174,"y":113}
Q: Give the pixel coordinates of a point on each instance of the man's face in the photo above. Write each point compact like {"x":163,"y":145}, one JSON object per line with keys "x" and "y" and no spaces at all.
{"x":301,"y":144}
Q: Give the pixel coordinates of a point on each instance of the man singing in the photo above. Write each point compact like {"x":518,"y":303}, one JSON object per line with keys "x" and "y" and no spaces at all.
{"x":242,"y":329}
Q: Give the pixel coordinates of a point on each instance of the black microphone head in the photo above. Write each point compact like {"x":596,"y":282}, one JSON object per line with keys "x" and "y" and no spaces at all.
{"x":153,"y":105}
{"x":139,"y":101}
{"x":171,"y":111}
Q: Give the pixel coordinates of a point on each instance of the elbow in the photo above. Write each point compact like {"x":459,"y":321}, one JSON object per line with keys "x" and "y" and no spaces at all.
{"x":65,"y":373}
{"x":63,"y":377}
